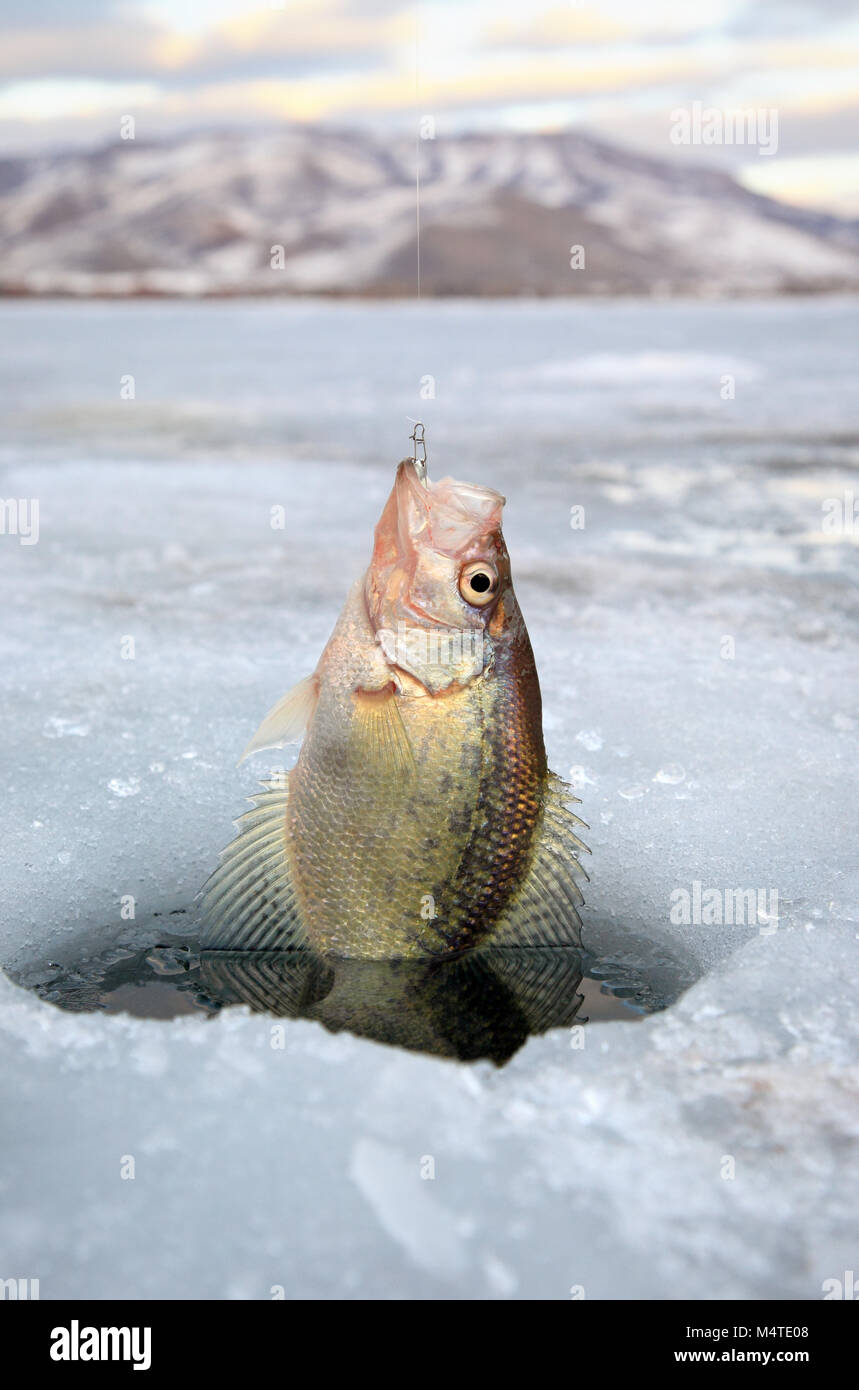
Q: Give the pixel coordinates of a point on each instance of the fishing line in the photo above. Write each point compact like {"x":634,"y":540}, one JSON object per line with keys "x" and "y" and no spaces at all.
{"x":417,"y":434}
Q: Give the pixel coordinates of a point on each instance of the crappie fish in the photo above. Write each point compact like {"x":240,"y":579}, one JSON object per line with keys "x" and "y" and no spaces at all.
{"x":420,"y":819}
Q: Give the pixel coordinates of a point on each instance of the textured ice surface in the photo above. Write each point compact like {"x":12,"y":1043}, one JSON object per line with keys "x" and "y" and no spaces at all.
{"x":698,"y":654}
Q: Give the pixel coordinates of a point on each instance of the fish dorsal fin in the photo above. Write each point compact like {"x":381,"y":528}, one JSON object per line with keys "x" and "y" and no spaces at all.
{"x":249,"y":903}
{"x":545,"y":909}
{"x":288,"y":719}
{"x":378,"y":736}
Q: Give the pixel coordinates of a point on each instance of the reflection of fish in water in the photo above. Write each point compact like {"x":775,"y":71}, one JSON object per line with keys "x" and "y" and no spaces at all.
{"x":420,"y":818}
{"x":484,"y":1003}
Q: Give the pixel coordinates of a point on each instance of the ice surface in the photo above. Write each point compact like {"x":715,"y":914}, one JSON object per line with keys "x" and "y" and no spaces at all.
{"x":697,"y":648}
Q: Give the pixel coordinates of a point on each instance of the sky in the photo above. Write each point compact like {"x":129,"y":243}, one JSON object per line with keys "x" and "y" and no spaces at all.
{"x":71,"y":69}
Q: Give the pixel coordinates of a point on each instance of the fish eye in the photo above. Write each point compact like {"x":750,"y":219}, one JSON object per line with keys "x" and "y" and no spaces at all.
{"x":478,"y":584}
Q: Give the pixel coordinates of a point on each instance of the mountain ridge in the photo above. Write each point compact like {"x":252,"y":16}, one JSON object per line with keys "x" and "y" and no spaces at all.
{"x":321,"y":210}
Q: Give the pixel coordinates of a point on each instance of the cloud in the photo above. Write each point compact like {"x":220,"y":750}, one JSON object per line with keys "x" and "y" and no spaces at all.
{"x":354,"y":94}
{"x":550,"y":27}
{"x":19,"y":14}
{"x":322,"y":35}
{"x":118,"y":52}
{"x":604,"y":22}
{"x":811,"y":181}
{"x":791,"y":16}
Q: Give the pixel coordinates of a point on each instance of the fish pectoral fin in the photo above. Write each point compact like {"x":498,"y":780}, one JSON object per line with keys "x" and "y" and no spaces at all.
{"x":545,"y":910}
{"x":378,"y":736}
{"x":288,"y":719}
{"x":249,"y":903}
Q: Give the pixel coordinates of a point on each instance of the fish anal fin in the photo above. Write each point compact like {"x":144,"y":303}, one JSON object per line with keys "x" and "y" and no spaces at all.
{"x":249,"y":903}
{"x":288,"y":719}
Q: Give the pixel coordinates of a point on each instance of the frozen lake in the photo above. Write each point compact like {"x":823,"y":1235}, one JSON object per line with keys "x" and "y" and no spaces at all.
{"x":680,"y":482}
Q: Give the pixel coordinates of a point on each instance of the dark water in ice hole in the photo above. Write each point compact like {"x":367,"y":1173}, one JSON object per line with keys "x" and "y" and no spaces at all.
{"x":481,"y":1005}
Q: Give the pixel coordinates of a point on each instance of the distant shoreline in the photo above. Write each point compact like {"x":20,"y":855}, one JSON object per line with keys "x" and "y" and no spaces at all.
{"x":691,"y":295}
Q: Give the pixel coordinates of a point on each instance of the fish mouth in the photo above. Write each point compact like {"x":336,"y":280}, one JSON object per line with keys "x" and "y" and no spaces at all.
{"x":447,"y":515}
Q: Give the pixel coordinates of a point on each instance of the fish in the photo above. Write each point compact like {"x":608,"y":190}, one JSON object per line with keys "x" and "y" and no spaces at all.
{"x":421,"y":819}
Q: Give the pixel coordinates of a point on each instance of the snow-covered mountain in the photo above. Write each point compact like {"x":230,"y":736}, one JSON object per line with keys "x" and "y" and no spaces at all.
{"x":317,"y":210}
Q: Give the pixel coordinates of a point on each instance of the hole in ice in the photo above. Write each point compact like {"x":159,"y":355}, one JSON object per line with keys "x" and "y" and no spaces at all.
{"x":476,"y":1006}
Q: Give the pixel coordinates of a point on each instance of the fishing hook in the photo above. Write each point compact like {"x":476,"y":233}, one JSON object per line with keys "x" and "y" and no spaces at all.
{"x":417,"y":438}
